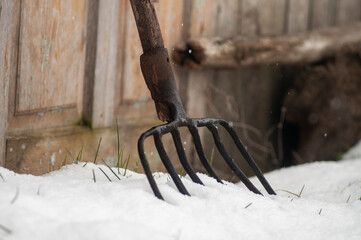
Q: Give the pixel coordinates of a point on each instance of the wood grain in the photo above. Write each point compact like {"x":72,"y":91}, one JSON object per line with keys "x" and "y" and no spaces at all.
{"x":39,"y":152}
{"x":49,"y":60}
{"x":298,"y":13}
{"x":8,"y":33}
{"x":258,"y":85}
{"x":203,"y":24}
{"x":227,"y":25}
{"x":47,"y":88}
{"x":321,"y":13}
{"x":293,"y":49}
{"x":271,"y":17}
{"x":90,"y":60}
{"x":106,"y":64}
{"x":348,"y":11}
{"x":133,"y":96}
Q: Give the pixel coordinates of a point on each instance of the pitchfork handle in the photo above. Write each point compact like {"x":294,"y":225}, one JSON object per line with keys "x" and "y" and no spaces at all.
{"x":147,"y":24}
{"x":155,"y":63}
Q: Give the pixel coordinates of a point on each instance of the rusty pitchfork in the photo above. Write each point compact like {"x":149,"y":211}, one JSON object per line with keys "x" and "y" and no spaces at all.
{"x":158,"y":75}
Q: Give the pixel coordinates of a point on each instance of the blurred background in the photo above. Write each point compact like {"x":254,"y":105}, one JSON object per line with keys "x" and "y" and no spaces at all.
{"x":285,"y":73}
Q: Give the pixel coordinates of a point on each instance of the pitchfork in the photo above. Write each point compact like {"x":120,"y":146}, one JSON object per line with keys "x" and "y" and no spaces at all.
{"x":158,"y":75}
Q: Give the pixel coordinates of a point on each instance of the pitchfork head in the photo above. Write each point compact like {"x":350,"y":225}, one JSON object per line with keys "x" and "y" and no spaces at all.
{"x":192,"y":125}
{"x":158,"y":75}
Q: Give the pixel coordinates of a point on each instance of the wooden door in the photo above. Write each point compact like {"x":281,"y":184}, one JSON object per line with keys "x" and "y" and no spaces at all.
{"x":47,"y":88}
{"x":43,"y":65}
{"x":69,"y":68}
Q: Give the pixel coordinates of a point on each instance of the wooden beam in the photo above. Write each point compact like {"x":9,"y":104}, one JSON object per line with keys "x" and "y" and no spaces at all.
{"x":90,"y":60}
{"x":300,"y":48}
{"x":105,"y":64}
{"x":40,"y":151}
{"x":9,"y":23}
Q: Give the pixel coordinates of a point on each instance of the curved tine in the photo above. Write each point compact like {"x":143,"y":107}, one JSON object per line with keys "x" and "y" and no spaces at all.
{"x":247,"y":157}
{"x":146,"y":167}
{"x":197,"y":142}
{"x":168,"y":165}
{"x":230,"y":161}
{"x":182,"y":157}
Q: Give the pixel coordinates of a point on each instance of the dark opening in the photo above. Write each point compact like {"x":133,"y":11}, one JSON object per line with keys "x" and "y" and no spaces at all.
{"x":290,"y":140}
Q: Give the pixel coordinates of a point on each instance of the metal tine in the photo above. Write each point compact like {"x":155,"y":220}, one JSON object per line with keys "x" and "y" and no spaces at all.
{"x":197,"y":142}
{"x":247,"y":157}
{"x":182,"y":157}
{"x":168,"y":165}
{"x":146,"y":167}
{"x":230,"y":161}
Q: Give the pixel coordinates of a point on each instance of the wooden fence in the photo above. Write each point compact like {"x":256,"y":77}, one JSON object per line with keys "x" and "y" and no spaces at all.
{"x":68,"y":65}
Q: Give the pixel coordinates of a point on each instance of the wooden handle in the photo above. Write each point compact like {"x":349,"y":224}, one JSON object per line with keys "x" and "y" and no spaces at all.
{"x":147,"y":24}
{"x":155,"y":63}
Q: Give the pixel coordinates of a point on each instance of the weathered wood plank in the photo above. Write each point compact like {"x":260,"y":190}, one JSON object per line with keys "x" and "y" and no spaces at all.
{"x":134,"y":95}
{"x":271,"y":17}
{"x":203,"y":24}
{"x":262,"y":17}
{"x":90,"y":60}
{"x":133,"y":86}
{"x":348,"y":11}
{"x":249,"y":18}
{"x":45,"y":77}
{"x":106,"y":64}
{"x":297,"y":20}
{"x":301,"y":48}
{"x":203,"y":17}
{"x":321,"y":13}
{"x":9,"y":11}
{"x":39,"y":152}
{"x":231,"y":93}
{"x":181,"y":75}
{"x":48,"y":59}
{"x":258,"y":85}
{"x":171,"y":26}
{"x":129,"y":70}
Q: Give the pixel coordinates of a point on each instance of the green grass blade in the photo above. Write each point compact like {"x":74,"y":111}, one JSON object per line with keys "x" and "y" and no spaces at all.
{"x":118,"y":160}
{"x":126,"y":167}
{"x":111,"y":169}
{"x":96,"y":154}
{"x":81,"y":153}
{"x":105,"y":174}
{"x":118,"y":143}
{"x":248,"y":205}
{"x":136,"y":166}
{"x":181,"y":172}
{"x":122,"y":158}
{"x":64,"y":162}
{"x":212,"y":157}
{"x":94,"y":179}
{"x":16,"y":196}
{"x":116,"y":121}
{"x":301,"y":191}
{"x":2,"y":177}
{"x":78,"y":158}
{"x":5,"y":229}
{"x":67,"y":150}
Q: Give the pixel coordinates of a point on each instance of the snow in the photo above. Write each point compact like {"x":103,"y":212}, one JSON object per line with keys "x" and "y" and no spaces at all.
{"x":354,"y":152}
{"x":68,"y":204}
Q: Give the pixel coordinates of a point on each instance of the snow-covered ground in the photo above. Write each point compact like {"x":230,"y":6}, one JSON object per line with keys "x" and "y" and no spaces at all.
{"x":68,"y":204}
